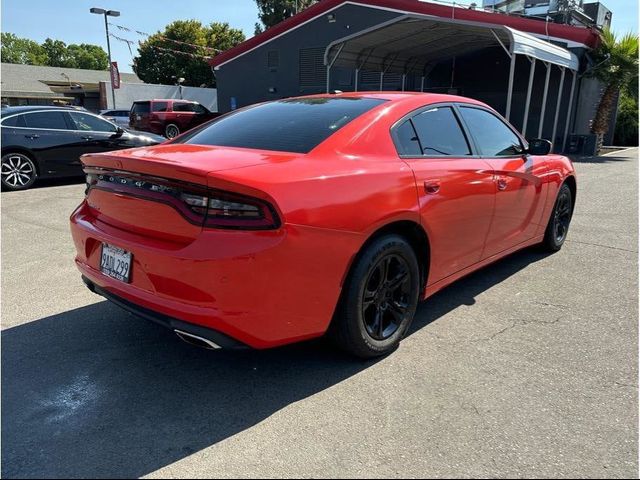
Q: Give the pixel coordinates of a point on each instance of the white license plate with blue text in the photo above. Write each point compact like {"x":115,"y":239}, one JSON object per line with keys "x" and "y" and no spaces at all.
{"x":115,"y":262}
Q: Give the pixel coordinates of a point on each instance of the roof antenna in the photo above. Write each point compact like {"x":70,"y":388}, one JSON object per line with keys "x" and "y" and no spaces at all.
{"x":337,"y":92}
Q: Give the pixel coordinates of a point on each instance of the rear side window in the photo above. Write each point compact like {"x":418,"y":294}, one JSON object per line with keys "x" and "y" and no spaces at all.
{"x":439,"y":133}
{"x":50,"y":120}
{"x":406,"y":140}
{"x":15,"y":121}
{"x":294,"y":125}
{"x":141,"y":108}
{"x":160,"y":106}
{"x":184,"y":107}
{"x":492,"y":137}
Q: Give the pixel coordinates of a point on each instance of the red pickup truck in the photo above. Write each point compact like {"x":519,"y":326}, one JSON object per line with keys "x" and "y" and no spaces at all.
{"x":168,"y":117}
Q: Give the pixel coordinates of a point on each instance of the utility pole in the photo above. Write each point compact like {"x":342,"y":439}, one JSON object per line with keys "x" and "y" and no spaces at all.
{"x":108,"y":13}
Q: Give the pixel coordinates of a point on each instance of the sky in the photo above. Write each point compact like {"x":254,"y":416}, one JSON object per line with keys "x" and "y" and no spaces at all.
{"x":71,"y":22}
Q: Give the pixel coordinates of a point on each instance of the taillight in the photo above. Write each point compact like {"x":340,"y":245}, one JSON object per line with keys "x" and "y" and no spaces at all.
{"x":197,"y":204}
{"x":90,"y":179}
{"x":231,"y":210}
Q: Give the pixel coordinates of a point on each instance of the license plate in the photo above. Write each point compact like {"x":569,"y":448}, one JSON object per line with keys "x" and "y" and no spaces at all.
{"x":115,"y":262}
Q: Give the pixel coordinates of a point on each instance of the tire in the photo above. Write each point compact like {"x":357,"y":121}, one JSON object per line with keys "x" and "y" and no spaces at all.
{"x":558,"y":226}
{"x":17,"y":171}
{"x":171,"y":131}
{"x":378,"y":304}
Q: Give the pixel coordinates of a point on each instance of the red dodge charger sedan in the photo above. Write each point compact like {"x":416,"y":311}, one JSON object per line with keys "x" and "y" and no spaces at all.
{"x":335,"y":213}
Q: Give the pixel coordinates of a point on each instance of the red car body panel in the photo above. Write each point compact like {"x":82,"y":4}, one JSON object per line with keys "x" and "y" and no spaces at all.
{"x":266,"y":288}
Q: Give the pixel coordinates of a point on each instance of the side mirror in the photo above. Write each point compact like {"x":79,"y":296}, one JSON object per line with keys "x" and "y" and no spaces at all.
{"x":119,"y":131}
{"x":539,"y":146}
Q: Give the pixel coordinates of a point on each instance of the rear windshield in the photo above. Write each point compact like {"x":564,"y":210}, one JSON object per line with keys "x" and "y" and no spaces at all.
{"x":294,"y":125}
{"x":140,"y":107}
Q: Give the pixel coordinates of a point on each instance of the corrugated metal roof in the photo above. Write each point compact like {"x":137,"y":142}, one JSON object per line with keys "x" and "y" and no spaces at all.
{"x":31,"y":79}
{"x":588,"y":37}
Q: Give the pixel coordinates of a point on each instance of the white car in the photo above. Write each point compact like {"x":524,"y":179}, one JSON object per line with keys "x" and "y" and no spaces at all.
{"x":119,"y":117}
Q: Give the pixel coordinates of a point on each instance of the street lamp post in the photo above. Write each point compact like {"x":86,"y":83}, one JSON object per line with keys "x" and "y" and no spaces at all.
{"x":108,"y":13}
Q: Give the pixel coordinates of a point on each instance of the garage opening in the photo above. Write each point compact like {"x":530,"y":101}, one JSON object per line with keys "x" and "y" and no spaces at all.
{"x":530,"y":80}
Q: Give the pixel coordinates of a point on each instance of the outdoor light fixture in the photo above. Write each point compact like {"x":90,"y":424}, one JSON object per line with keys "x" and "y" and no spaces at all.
{"x":108,"y":13}
{"x":102,"y":11}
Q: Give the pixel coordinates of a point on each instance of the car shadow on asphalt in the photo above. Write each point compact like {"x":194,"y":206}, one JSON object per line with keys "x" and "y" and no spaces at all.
{"x":97,"y":392}
{"x":601,"y":159}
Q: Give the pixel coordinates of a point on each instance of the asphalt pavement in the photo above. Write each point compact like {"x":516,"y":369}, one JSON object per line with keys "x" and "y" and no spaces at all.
{"x":528,"y":368}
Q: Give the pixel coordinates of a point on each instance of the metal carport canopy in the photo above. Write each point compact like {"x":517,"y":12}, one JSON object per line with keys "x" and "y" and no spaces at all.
{"x":411,"y":42}
{"x":416,"y":43}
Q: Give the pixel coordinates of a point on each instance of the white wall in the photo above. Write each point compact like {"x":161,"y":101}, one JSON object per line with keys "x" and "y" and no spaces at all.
{"x":131,"y":92}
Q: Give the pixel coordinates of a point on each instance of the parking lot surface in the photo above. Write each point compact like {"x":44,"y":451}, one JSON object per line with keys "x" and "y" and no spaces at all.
{"x":527,"y":368}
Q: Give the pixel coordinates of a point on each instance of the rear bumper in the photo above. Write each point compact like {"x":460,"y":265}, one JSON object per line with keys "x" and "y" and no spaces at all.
{"x":259,"y":288}
{"x":217,"y":338}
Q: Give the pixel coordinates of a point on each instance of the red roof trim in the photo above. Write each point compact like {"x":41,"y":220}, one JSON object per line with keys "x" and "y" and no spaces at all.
{"x":585,"y":36}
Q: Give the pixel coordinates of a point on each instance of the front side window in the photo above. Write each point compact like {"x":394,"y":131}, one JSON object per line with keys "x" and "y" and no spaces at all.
{"x":492,"y":137}
{"x":199,"y":109}
{"x":48,"y":120}
{"x":292,"y":125}
{"x":87,"y":122}
{"x":439,"y":132}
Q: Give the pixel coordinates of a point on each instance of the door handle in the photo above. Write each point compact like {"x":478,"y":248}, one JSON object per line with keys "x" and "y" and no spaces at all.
{"x":502,"y":183}
{"x":32,"y":137}
{"x":432,"y":187}
{"x":87,"y":138}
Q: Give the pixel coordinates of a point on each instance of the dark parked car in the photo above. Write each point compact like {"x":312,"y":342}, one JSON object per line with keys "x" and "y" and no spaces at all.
{"x":42,"y":142}
{"x":168,"y":117}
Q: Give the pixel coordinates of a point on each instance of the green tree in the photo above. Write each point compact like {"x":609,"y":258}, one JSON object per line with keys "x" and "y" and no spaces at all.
{"x":626,"y":132}
{"x":155,"y":65}
{"x":272,"y":12}
{"x":617,"y":67}
{"x":57,"y":54}
{"x":21,"y":50}
{"x":87,"y":56}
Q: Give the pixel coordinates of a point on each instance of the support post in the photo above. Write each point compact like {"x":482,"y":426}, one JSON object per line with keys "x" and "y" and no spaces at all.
{"x":404,"y":77}
{"x":527,"y":104}
{"x":356,"y":79}
{"x":512,"y":69}
{"x":558,"y":102}
{"x":381,"y":79}
{"x":544,"y":98}
{"x":568,"y":122}
{"x":422,"y":84}
{"x":330,"y":64}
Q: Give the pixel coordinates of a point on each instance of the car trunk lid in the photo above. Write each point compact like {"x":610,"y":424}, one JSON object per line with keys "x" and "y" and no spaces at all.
{"x":142,"y":190}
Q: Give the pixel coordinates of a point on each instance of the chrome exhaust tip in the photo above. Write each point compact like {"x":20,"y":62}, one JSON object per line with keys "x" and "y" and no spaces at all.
{"x":192,"y":339}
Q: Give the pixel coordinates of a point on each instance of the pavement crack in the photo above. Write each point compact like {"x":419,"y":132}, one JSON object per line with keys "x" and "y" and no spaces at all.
{"x":620,"y":384}
{"x":603,"y":246}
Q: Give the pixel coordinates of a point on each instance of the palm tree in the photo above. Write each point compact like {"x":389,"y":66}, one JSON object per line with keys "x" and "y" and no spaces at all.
{"x":616,"y":66}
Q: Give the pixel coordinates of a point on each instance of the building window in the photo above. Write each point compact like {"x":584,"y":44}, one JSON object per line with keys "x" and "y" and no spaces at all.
{"x":273,"y":60}
{"x":313,"y":72}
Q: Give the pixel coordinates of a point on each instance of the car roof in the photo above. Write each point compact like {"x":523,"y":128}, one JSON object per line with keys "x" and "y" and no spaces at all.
{"x":165,"y":100}
{"x":400,"y":96}
{"x":32,"y":108}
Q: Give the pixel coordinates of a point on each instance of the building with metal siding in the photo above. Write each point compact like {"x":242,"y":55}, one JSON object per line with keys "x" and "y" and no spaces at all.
{"x":289,"y":59}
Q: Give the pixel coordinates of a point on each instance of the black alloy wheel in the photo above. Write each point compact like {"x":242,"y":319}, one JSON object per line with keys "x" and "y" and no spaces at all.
{"x":379,"y":298}
{"x":558,"y":226}
{"x":386,"y":296}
